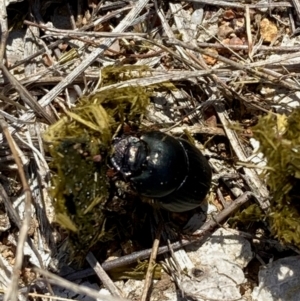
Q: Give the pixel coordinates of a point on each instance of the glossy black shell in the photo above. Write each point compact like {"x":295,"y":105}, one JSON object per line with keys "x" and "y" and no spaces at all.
{"x":160,"y":166}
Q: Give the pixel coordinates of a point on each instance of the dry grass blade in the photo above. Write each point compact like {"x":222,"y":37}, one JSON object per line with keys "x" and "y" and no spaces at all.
{"x":160,"y":78}
{"x":237,"y":4}
{"x":74,"y":34}
{"x":239,"y":66}
{"x":257,"y":186}
{"x":26,"y":96}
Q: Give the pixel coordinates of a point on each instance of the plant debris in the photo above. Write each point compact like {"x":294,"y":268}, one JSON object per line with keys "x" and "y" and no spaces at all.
{"x":225,"y":74}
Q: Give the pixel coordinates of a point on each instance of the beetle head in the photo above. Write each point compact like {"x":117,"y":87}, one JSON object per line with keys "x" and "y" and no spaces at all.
{"x":129,"y":155}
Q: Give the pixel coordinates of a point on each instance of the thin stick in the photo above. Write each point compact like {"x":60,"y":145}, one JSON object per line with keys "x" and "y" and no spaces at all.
{"x":13,"y":215}
{"x":75,"y":33}
{"x":246,"y":47}
{"x":80,"y":289}
{"x":11,"y":293}
{"x":108,"y":283}
{"x":242,"y":5}
{"x":287,"y":84}
{"x":45,"y":297}
{"x":248,"y":30}
{"x":206,"y":230}
{"x":3,"y":28}
{"x":151,"y":264}
{"x":26,"y":96}
{"x":36,"y":54}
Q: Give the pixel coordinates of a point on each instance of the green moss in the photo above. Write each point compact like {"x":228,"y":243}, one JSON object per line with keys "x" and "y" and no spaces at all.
{"x":80,"y":143}
{"x":252,"y":213}
{"x":137,"y":272}
{"x":279,"y":138}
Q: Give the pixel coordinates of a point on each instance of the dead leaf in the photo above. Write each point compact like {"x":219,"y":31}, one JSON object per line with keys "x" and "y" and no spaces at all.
{"x":268,"y":30}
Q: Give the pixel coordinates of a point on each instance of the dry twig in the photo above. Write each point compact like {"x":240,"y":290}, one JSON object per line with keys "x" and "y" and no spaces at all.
{"x":3,"y":28}
{"x":151,"y":264}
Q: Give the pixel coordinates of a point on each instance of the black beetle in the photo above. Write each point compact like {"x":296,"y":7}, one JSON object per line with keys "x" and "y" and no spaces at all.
{"x":163,"y":167}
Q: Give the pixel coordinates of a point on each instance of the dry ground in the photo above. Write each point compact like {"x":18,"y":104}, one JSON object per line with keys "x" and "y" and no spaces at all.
{"x":229,"y":62}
